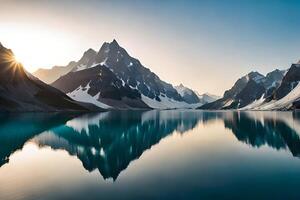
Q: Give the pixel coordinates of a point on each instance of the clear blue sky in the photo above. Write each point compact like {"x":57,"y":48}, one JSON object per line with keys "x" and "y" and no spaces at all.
{"x":205,"y":45}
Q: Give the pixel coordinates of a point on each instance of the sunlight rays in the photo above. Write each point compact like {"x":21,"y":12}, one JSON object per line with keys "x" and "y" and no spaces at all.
{"x":8,"y":59}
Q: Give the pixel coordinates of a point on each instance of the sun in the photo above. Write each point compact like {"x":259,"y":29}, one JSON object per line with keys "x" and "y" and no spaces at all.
{"x":15,"y":59}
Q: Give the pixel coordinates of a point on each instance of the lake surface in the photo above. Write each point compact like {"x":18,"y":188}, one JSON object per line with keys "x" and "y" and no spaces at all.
{"x":175,"y":154}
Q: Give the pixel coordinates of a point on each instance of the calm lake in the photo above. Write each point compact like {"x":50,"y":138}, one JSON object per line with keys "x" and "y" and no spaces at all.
{"x":171,"y":154}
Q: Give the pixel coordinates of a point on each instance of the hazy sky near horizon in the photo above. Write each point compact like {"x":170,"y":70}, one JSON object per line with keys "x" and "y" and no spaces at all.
{"x":206,"y":45}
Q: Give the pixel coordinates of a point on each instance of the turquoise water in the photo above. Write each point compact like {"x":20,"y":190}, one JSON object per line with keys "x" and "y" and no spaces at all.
{"x":174,"y":154}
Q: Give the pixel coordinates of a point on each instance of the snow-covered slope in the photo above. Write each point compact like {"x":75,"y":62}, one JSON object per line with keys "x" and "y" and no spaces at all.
{"x":81,"y":94}
{"x":284,"y":103}
{"x":284,"y":96}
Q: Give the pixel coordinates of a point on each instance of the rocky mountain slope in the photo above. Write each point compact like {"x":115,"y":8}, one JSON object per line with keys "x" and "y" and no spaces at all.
{"x":100,"y":86}
{"x":20,"y":91}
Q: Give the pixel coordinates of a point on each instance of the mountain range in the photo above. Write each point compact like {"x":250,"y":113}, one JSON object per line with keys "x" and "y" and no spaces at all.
{"x":278,"y":90}
{"x":111,"y":78}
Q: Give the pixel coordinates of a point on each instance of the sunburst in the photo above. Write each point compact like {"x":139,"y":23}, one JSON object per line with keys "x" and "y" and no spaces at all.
{"x":8,"y":59}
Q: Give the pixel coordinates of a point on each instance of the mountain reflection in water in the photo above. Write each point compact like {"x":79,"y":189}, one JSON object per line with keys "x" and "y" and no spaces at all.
{"x":109,"y":141}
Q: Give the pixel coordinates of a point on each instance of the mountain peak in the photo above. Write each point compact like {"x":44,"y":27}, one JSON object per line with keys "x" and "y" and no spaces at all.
{"x":88,"y":54}
{"x":114,"y":43}
{"x":254,"y":73}
{"x":90,"y":50}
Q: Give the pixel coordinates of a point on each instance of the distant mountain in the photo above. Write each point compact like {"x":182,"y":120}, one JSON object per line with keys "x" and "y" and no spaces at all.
{"x":20,"y":91}
{"x":192,"y":97}
{"x":247,"y":90}
{"x":207,"y":98}
{"x":50,"y":75}
{"x":154,"y":92}
{"x":100,"y":86}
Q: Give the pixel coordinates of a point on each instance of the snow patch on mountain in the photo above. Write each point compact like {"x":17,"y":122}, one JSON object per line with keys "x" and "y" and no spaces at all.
{"x":81,"y":94}
{"x":255,"y":103}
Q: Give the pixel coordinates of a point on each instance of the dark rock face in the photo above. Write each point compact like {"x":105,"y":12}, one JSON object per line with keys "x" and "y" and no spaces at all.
{"x":191,"y":98}
{"x":250,"y":93}
{"x":289,"y":82}
{"x":274,"y":78}
{"x":20,"y":92}
{"x":241,"y":83}
{"x":99,"y":80}
{"x":296,"y":105}
{"x":248,"y":89}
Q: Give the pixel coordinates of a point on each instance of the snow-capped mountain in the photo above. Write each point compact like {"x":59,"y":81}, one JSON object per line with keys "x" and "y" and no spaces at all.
{"x":100,"y":86}
{"x":247,"y":90}
{"x":20,"y":91}
{"x":154,"y":92}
